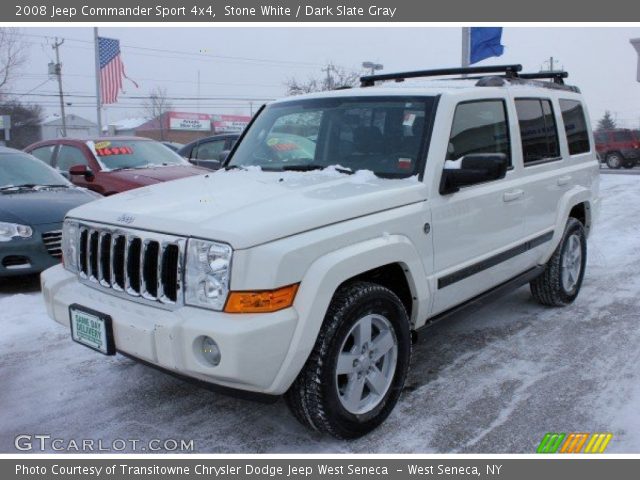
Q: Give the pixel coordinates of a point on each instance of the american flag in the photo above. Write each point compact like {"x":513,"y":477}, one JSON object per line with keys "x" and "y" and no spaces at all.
{"x":111,"y":70}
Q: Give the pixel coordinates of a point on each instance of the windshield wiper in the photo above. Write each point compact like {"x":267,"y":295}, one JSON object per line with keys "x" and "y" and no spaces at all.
{"x":26,"y":186}
{"x":235,"y":167}
{"x":307,"y":167}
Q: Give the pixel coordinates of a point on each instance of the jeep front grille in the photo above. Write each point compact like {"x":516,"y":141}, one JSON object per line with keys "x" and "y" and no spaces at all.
{"x":53,"y":242}
{"x":143,"y":266}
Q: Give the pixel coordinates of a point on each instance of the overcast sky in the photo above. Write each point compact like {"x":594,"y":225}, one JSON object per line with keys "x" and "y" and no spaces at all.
{"x":254,"y":62}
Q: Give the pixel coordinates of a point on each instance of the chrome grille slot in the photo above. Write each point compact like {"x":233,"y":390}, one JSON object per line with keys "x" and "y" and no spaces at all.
{"x":104,"y":259}
{"x":142,"y":266}
{"x":150,"y":269}
{"x":53,"y":242}
{"x":118,"y":243}
{"x":93,"y":255}
{"x":132,"y":253}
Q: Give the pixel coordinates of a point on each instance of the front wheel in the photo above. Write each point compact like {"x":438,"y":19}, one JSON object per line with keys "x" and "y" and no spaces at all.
{"x":357,"y":369}
{"x":561,"y":280}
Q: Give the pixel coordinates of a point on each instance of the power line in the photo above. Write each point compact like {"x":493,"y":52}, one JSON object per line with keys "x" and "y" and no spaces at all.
{"x":165,"y":80}
{"x":181,"y":53}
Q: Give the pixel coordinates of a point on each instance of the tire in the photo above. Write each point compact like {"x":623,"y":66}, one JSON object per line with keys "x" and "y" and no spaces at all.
{"x":629,"y":164}
{"x":321,"y":398}
{"x":557,"y":286}
{"x":614,"y":160}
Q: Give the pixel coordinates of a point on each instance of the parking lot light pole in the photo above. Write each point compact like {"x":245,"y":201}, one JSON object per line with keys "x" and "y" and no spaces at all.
{"x":636,"y":44}
{"x":373,"y":67}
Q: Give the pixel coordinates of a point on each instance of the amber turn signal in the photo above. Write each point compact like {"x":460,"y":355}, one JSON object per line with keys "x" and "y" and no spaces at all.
{"x":262,"y":301}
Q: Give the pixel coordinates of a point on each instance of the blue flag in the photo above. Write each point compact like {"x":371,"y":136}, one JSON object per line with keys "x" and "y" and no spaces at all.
{"x":485,"y":43}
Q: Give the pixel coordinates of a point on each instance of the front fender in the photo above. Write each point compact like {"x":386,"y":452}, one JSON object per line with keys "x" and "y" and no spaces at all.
{"x":327,"y":273}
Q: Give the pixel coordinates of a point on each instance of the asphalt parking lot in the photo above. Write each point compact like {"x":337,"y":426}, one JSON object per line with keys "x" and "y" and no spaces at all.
{"x":493,"y":380}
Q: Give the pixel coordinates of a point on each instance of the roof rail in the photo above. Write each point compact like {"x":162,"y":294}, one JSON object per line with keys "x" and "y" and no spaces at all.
{"x":557,"y":76}
{"x":507,"y":70}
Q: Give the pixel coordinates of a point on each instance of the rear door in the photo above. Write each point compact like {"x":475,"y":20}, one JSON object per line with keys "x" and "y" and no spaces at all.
{"x":544,"y":167}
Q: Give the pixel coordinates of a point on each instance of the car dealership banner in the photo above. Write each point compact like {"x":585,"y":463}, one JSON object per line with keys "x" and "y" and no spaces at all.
{"x":198,"y":122}
{"x":229,"y":123}
{"x":317,"y":11}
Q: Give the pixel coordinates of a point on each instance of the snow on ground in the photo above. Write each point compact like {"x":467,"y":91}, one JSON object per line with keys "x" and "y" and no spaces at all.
{"x":493,"y":380}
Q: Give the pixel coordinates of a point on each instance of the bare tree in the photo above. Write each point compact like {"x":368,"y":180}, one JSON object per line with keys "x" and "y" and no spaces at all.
{"x":156,"y":106}
{"x":335,"y":77}
{"x":13,"y":54}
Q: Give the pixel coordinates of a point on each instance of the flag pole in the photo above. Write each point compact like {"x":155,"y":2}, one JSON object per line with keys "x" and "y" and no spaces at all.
{"x":98,"y":99}
{"x":466,"y":43}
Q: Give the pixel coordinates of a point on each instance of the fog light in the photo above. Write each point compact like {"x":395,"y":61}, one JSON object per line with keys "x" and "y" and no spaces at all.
{"x":210,"y":351}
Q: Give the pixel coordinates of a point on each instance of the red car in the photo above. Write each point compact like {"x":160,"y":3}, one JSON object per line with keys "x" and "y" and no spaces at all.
{"x":109,"y":165}
{"x":618,"y":148}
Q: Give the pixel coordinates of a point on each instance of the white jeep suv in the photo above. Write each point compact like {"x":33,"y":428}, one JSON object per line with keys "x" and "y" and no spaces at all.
{"x":343,"y":222}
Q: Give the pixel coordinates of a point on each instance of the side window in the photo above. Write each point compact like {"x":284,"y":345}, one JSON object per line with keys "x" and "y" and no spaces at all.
{"x":69,"y":156}
{"x":601,"y":138}
{"x":209,"y":150}
{"x":479,"y":127}
{"x":538,"y":130}
{"x":575,"y":126}
{"x":44,"y":153}
{"x":622,"y":136}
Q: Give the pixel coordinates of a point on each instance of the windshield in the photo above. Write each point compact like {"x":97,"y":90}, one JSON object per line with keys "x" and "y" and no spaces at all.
{"x":20,"y":169}
{"x":384,"y":135}
{"x":119,"y":154}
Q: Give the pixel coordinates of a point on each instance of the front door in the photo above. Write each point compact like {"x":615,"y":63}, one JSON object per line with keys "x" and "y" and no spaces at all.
{"x":477,"y":231}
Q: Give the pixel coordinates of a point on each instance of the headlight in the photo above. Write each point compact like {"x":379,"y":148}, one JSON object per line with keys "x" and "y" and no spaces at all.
{"x":207,"y":273}
{"x":70,"y":245}
{"x":14,"y":230}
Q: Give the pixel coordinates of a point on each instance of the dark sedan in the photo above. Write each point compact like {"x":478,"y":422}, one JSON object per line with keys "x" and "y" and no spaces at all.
{"x":209,"y":152}
{"x":34,"y":199}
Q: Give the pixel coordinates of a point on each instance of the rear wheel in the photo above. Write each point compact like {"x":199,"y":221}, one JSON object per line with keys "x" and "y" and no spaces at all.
{"x":357,"y":369}
{"x":561,"y":280}
{"x":614,"y":160}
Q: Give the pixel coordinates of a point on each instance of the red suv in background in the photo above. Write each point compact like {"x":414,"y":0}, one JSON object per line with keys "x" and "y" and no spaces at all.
{"x":109,"y":165}
{"x":618,"y":148}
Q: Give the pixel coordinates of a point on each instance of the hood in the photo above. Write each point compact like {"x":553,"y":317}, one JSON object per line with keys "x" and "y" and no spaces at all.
{"x":248,"y":208}
{"x":38,"y":207}
{"x":150,"y":176}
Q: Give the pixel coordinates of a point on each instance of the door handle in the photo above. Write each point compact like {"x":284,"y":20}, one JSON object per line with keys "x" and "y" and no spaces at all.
{"x":512,"y":195}
{"x":562,"y":181}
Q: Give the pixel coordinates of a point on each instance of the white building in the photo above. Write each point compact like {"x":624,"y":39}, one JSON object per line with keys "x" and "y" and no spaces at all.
{"x":77,"y":127}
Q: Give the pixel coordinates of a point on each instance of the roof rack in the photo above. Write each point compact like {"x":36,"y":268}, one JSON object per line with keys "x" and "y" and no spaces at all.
{"x":507,"y":70}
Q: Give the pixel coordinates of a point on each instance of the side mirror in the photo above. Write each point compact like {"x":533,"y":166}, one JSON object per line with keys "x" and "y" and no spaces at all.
{"x":222,"y":156}
{"x":471,"y":169}
{"x":80,"y":170}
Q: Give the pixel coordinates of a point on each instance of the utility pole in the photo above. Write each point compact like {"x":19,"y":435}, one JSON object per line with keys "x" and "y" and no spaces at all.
{"x":328,"y":69}
{"x":58,"y":73}
{"x":552,"y":63}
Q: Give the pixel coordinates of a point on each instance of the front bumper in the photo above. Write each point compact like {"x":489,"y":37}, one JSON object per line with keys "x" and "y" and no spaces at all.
{"x":25,"y":256}
{"x":253,"y":347}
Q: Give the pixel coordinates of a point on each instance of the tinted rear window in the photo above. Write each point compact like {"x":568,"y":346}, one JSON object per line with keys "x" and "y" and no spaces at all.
{"x":537,"y":130}
{"x":575,"y":126}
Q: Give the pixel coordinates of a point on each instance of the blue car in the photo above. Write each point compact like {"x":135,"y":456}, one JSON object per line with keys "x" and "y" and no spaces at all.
{"x":34,"y":199}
